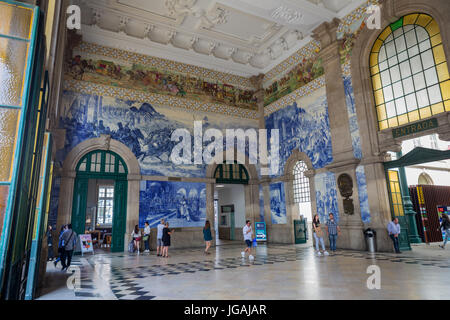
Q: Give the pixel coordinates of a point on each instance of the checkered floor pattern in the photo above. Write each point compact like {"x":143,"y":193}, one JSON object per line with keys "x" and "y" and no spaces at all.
{"x":126,"y":283}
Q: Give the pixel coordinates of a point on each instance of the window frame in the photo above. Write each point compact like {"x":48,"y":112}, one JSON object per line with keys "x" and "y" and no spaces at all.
{"x":416,"y":20}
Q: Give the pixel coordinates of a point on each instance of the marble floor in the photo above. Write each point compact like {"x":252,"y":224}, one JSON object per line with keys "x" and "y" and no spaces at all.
{"x":278,"y":272}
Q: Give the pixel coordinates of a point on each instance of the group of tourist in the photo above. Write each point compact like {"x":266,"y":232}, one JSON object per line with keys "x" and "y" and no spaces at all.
{"x":331,"y":227}
{"x":66,"y":244}
{"x":68,"y":238}
{"x":162,"y":239}
{"x":163,"y":235}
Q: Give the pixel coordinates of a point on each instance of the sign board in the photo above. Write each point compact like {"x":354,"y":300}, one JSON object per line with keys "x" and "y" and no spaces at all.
{"x":441,"y":210}
{"x":414,"y":128}
{"x":86,"y":243}
{"x":260,"y":230}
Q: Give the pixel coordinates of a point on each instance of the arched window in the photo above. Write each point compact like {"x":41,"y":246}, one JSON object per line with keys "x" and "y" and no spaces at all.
{"x":301,"y":183}
{"x":231,"y":173}
{"x":424,"y":178}
{"x":409,"y":72}
{"x":102,"y":162}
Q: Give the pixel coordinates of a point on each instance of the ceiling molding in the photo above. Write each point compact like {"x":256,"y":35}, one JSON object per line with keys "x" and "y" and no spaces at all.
{"x":239,"y":37}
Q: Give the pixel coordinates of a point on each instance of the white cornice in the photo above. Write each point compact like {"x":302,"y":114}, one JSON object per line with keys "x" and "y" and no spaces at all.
{"x":147,"y":47}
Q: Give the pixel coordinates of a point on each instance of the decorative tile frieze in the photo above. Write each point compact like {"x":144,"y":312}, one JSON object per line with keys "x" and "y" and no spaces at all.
{"x":348,"y":21}
{"x":294,"y":96}
{"x":309,"y":50}
{"x":165,"y":64}
{"x":156,"y":99}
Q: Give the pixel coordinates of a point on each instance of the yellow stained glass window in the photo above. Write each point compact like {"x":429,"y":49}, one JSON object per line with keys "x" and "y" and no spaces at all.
{"x":410,"y":77}
{"x":396,"y":196}
{"x":9,"y":119}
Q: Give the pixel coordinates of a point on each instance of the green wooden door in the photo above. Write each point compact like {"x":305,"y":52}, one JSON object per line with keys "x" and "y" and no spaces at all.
{"x":103,"y":165}
{"x":80,"y":190}
{"x":119,"y":215}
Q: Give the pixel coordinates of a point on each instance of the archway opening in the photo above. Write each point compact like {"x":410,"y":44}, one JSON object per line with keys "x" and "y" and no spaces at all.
{"x":100,"y":199}
{"x":302,"y":195}
{"x":230,"y":201}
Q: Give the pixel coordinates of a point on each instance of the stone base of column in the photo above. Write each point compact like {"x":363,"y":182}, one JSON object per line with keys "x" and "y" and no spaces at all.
{"x":352,"y":237}
{"x":384,"y":242}
{"x":280,"y":233}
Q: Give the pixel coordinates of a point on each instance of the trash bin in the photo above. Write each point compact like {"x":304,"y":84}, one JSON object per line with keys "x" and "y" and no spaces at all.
{"x":369,"y":235}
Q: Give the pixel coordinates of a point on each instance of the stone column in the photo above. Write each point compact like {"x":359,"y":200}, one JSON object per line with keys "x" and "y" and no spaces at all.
{"x":134,"y":188}
{"x":65,"y":199}
{"x":337,"y":107}
{"x":257,"y":82}
{"x":292,"y":211}
{"x":267,"y":211}
{"x":344,"y":161}
{"x":210,"y":210}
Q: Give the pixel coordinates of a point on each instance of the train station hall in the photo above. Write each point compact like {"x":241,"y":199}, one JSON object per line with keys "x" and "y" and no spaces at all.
{"x":224,"y":150}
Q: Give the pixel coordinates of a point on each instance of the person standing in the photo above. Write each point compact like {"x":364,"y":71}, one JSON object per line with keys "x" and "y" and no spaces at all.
{"x":248,"y":232}
{"x":49,"y":235}
{"x":445,"y":225}
{"x":159,"y":235}
{"x":147,"y":237}
{"x":318,"y":235}
{"x":166,"y":240}
{"x":69,"y":240}
{"x":136,"y":235}
{"x":60,"y":245}
{"x":333,"y":231}
{"x":207,"y":236}
{"x":394,"y":231}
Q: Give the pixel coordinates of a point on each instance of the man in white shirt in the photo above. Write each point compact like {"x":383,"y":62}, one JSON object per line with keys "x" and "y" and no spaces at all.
{"x":159,"y":235}
{"x":394,"y":231}
{"x":247,"y":230}
{"x":147,"y":237}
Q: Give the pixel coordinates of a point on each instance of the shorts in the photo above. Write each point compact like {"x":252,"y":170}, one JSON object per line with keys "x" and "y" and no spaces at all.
{"x":249,"y":243}
{"x":159,"y":242}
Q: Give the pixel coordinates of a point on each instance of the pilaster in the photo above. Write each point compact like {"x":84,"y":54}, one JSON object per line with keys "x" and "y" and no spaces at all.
{"x":337,"y":107}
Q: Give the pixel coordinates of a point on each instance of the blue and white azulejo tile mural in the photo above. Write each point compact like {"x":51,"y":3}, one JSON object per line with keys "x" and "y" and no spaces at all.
{"x":261,"y":203}
{"x":363,"y":195}
{"x":304,"y":125}
{"x":326,"y":196}
{"x":353,"y":120}
{"x":182,"y":204}
{"x":277,"y":203}
{"x":146,"y":129}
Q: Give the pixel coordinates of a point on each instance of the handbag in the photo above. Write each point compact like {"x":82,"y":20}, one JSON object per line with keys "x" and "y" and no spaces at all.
{"x":319,"y":232}
{"x":145,"y":238}
{"x":131,"y":246}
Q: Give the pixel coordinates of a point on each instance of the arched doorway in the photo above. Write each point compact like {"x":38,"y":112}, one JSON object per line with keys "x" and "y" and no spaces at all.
{"x":302,"y":191}
{"x":300,"y":194}
{"x":230,"y":200}
{"x":100,"y":197}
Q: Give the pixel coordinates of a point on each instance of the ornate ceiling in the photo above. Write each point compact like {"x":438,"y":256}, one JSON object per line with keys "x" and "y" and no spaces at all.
{"x":242,"y":37}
